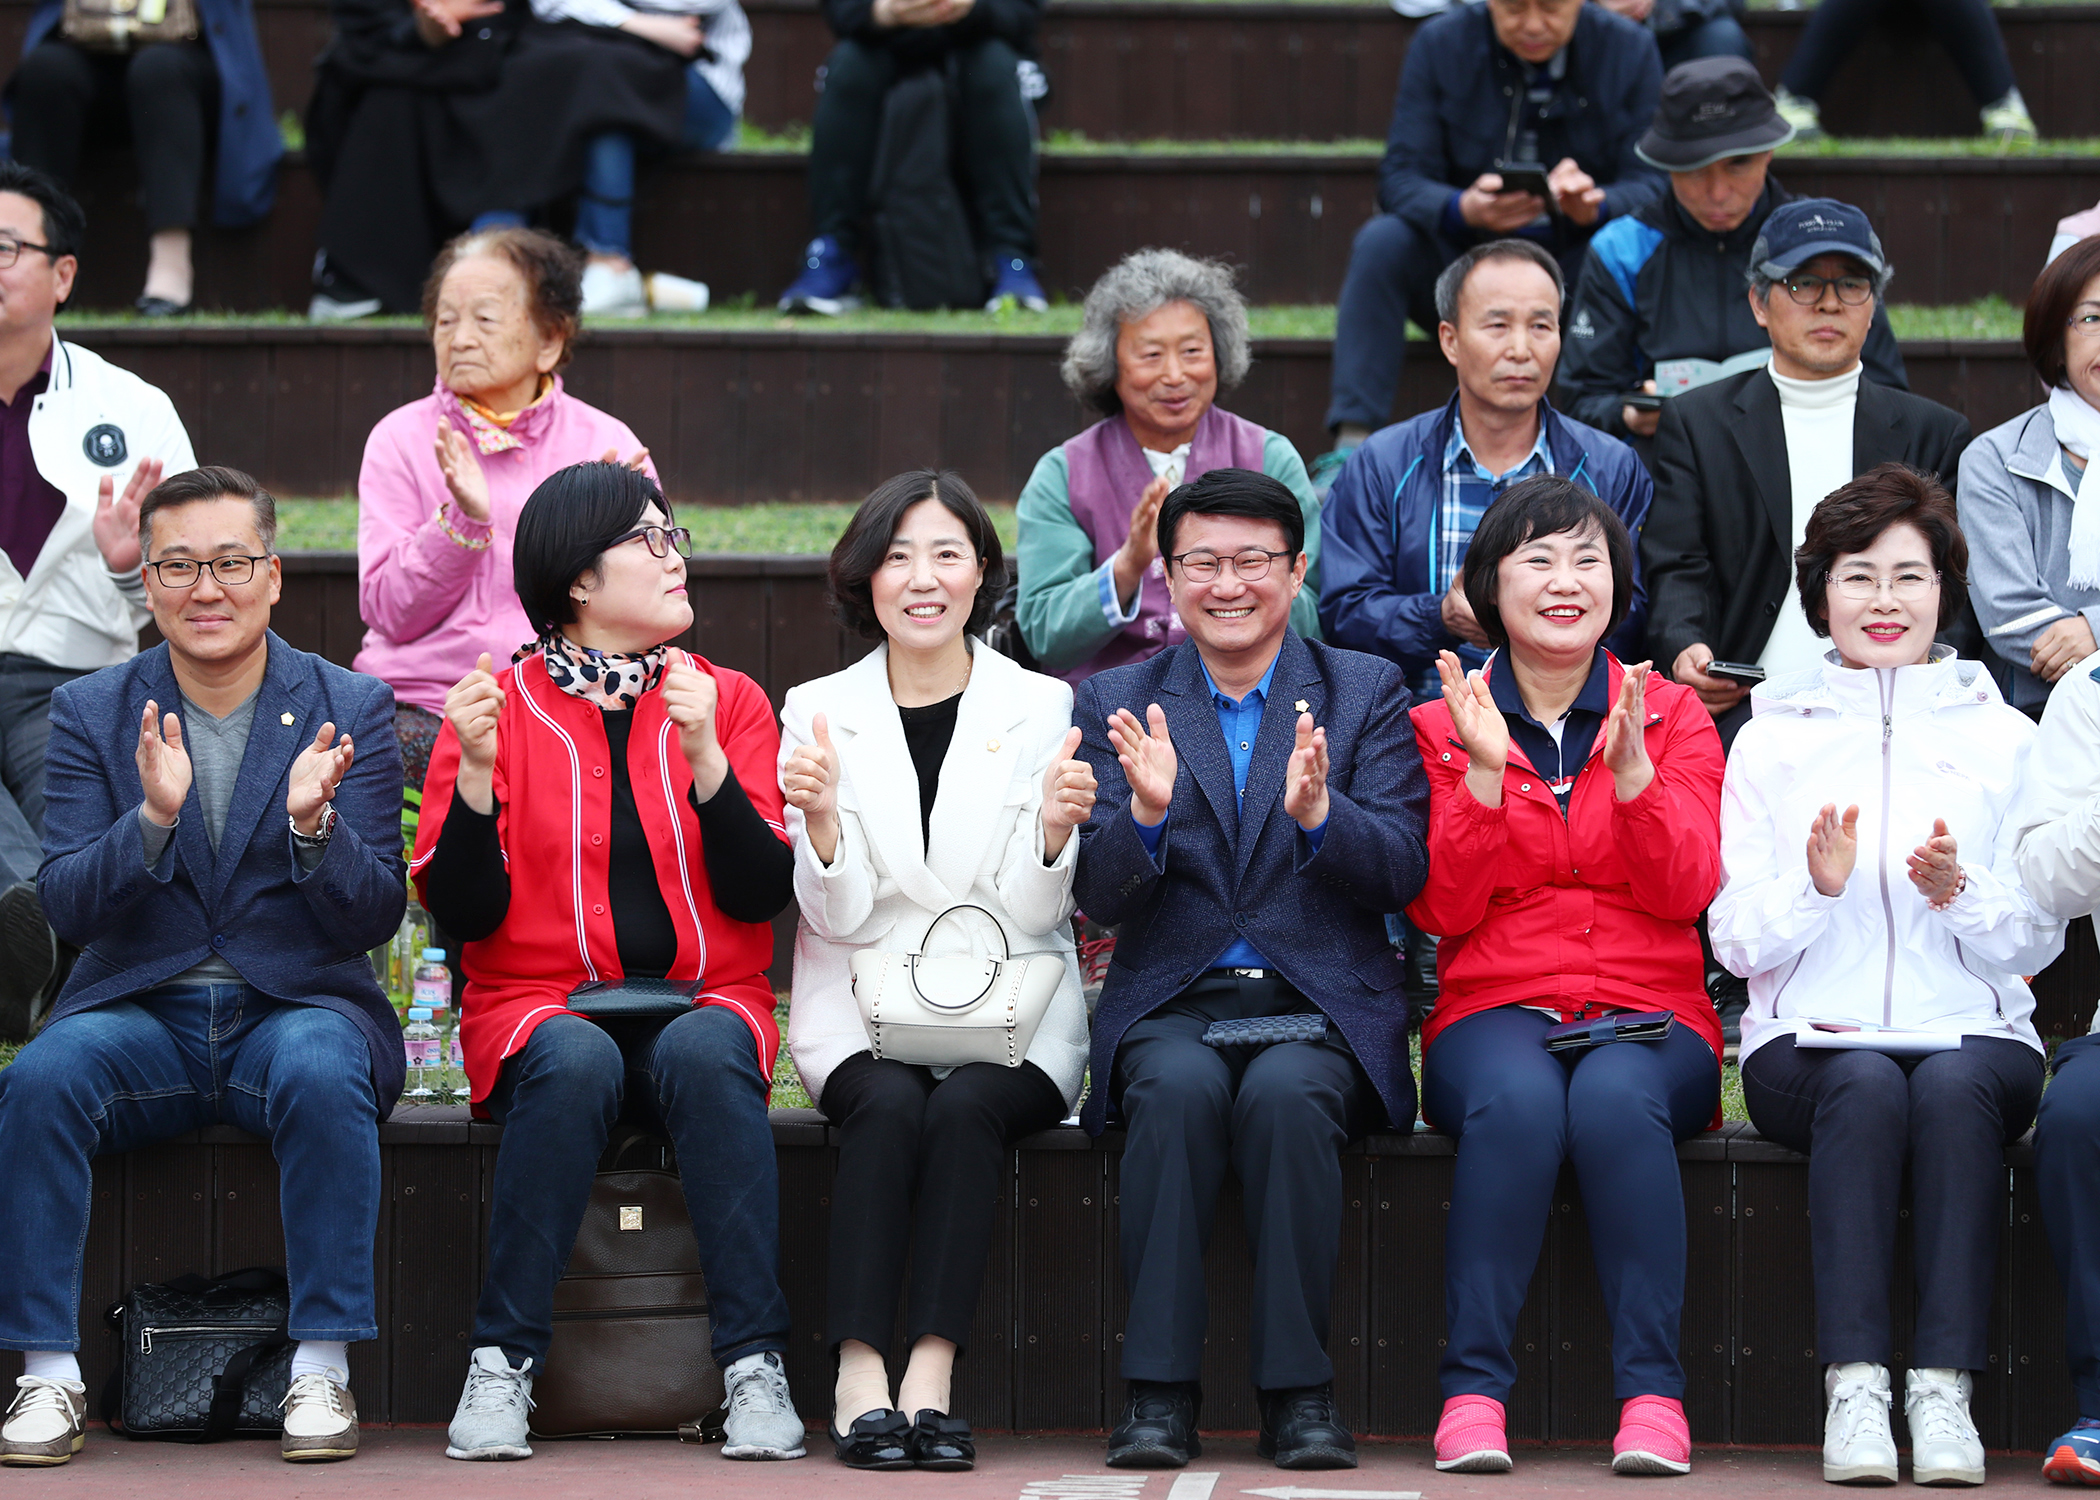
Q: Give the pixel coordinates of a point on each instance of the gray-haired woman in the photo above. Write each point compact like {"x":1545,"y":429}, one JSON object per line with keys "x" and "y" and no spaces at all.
{"x":1162,"y":331}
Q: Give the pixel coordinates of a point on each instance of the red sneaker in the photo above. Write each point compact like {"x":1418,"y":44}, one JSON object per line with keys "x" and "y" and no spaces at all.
{"x":1654,"y":1438}
{"x":1472,"y":1436}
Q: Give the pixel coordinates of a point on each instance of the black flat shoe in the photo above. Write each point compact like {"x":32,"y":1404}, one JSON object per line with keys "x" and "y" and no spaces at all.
{"x":1299,"y":1429}
{"x":1158,"y":1430}
{"x":942,"y":1443}
{"x":876,"y":1440}
{"x":161,"y":307}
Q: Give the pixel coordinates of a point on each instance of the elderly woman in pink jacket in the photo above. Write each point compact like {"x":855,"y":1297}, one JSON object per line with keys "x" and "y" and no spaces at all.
{"x":445,"y":477}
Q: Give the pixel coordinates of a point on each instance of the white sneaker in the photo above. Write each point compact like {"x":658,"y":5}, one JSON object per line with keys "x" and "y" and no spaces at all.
{"x":494,"y":1415}
{"x":320,"y":1419}
{"x":668,"y":293}
{"x":613,"y":294}
{"x":1858,"y":1447}
{"x":1944,"y":1447}
{"x":46,"y":1425}
{"x":761,"y":1421}
{"x":325,"y":309}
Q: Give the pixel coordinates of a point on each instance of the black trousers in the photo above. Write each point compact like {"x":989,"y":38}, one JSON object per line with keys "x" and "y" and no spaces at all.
{"x":1861,"y":1116}
{"x":997,"y":131}
{"x":922,"y":1169}
{"x":1279,"y":1118}
{"x":1965,"y":28}
{"x":161,"y":98}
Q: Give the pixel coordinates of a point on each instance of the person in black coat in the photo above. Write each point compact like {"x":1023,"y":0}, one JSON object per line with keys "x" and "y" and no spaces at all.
{"x":1261,"y":804}
{"x":981,"y":44}
{"x":1564,"y":85}
{"x":1740,"y":464}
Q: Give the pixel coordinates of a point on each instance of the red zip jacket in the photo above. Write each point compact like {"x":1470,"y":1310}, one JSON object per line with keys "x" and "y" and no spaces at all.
{"x":1594,"y":912}
{"x":554,"y":805}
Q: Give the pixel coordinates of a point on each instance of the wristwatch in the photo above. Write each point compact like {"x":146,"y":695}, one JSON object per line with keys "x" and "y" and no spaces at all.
{"x":319,"y":836}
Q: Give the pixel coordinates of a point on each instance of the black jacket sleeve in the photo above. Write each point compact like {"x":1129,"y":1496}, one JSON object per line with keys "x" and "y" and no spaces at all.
{"x":1882,"y":359}
{"x":466,"y":885}
{"x":1675,"y":560}
{"x":751,"y":871}
{"x":1600,"y":352}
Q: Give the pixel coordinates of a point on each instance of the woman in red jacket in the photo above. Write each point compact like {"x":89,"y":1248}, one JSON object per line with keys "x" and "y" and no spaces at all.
{"x":606,"y":810}
{"x":1574,"y":838}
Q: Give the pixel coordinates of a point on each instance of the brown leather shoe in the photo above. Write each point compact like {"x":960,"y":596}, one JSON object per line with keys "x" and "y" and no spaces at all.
{"x":320,"y":1421}
{"x":46,"y":1425}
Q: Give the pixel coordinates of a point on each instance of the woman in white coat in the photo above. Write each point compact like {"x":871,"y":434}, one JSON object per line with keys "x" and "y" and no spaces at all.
{"x":988,"y":748}
{"x":1870,"y":897}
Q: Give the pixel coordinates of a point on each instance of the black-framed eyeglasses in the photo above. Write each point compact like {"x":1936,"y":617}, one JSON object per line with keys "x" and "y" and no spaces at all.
{"x":1249,"y":566}
{"x":11,"y":250}
{"x":1853,"y":291}
{"x":661,"y":540}
{"x":183,"y":572}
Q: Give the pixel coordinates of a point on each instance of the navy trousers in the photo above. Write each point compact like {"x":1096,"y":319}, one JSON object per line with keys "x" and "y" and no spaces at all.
{"x":2067,"y":1169}
{"x":1860,"y":1117}
{"x":1518,"y":1111}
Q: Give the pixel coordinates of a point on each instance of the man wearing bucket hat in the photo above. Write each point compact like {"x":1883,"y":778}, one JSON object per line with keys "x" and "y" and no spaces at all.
{"x":1740,"y":463}
{"x":1658,"y":302}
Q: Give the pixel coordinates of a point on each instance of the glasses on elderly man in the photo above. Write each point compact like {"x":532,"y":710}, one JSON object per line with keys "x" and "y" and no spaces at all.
{"x":1807,"y":290}
{"x":11,"y":250}
{"x":662,"y":540}
{"x":183,"y":572}
{"x":1249,"y":566}
{"x":1910,"y":585}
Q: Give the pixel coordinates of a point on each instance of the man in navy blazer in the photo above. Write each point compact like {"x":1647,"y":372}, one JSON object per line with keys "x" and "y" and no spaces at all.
{"x":1261,"y":806}
{"x":225,"y":860}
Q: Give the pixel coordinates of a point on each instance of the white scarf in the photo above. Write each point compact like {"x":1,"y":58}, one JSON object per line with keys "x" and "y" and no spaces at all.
{"x":2078,"y":430}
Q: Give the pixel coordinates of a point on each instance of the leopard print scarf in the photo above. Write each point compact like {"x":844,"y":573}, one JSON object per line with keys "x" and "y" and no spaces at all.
{"x":614,"y":680}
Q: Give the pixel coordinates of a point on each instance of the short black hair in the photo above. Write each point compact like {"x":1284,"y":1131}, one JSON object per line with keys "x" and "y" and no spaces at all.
{"x":1544,"y":505}
{"x":65,"y":223}
{"x":210,"y":482}
{"x":1852,"y":517}
{"x":1233,"y":492}
{"x":565,"y":527}
{"x":1451,"y":285}
{"x":861,"y":550}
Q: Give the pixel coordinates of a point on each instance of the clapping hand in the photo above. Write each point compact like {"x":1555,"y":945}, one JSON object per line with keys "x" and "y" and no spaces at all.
{"x":810,"y":780}
{"x":1148,"y":762}
{"x":472,"y":708}
{"x":1141,"y":545}
{"x":1934,"y":869}
{"x":1625,"y":736}
{"x":1833,"y":848}
{"x":1068,"y":795}
{"x":1305,"y":779}
{"x":164,"y":766}
{"x":1481,"y":728}
{"x":116,"y":523}
{"x":316,"y":774}
{"x":462,"y":470}
{"x":690,"y":699}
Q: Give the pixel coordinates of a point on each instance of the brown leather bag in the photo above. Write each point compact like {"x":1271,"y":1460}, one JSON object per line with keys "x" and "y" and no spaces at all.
{"x":631,"y":1320}
{"x":120,"y":25}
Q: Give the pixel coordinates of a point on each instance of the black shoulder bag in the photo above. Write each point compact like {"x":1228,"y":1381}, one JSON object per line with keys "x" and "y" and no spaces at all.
{"x":203,"y":1359}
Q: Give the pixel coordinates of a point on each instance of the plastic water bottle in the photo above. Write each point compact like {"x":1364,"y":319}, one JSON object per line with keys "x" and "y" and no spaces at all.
{"x":432,"y":991}
{"x":420,"y":1040}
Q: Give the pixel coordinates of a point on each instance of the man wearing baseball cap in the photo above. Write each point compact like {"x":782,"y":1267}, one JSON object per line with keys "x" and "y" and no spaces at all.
{"x":1740,"y":463}
{"x":1660,"y":292}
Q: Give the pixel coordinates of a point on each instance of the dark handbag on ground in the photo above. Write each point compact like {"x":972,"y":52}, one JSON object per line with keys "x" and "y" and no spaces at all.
{"x":121,"y":25}
{"x":1265,"y":1031}
{"x":202,"y":1359}
{"x":925,"y":256}
{"x":1619,"y":1026}
{"x":630,"y":1352}
{"x":633,"y":999}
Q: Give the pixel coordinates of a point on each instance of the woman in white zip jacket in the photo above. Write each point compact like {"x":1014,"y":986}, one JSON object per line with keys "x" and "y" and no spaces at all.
{"x":1868,"y":885}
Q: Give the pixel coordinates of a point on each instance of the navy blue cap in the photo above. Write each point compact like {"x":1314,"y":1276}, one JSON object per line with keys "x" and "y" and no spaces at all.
{"x":1808,"y":227}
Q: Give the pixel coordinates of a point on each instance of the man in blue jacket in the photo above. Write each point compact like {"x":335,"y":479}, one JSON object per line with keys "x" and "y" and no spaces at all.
{"x":1404,"y":509}
{"x":225,"y":860}
{"x":1557,"y":85}
{"x":1261,"y":804}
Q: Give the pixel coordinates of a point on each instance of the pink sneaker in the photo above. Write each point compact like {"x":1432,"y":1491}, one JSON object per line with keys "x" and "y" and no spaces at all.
{"x":1654,"y":1438}
{"x":1472,"y":1437}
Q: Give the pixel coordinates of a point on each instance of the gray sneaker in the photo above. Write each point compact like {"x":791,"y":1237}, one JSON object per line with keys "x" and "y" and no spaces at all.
{"x":761,"y":1420}
{"x":491,"y":1420}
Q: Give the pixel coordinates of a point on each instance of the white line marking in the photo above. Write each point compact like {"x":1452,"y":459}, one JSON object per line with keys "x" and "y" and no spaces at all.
{"x":1193,"y":1486}
{"x":1292,"y":1492}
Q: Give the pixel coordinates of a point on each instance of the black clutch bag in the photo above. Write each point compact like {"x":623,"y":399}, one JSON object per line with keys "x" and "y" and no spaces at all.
{"x":1265,"y":1031}
{"x":633,"y":999}
{"x":202,"y":1359}
{"x":1619,"y":1026}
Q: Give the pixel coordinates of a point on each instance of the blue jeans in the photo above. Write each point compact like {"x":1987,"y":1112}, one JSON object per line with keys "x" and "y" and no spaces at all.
{"x":175,"y":1059}
{"x":1518,"y":1111}
{"x":2067,"y":1170}
{"x":605,"y":212}
{"x":1709,"y":36}
{"x":696,"y":1079}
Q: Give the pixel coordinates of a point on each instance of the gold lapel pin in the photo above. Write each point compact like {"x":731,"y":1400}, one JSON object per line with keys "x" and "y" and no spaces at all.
{"x":1302,"y":706}
{"x":991,"y":747}
{"x":285,"y":720}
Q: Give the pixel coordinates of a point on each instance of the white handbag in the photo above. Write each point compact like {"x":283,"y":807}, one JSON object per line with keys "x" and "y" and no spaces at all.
{"x":945,"y":1012}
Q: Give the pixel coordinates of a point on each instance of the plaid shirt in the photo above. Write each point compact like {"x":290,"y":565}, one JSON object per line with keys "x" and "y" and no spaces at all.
{"x":1468,"y":491}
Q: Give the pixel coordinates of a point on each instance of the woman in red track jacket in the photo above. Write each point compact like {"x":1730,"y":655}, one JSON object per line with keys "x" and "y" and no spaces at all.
{"x":606,"y":810}
{"x":1574,"y":839}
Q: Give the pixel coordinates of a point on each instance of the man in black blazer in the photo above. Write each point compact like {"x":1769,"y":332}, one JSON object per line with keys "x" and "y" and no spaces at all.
{"x":1741,"y":463}
{"x":1261,"y":805}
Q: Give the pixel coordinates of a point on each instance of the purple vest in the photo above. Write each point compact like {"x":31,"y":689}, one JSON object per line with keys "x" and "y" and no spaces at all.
{"x":1105,"y":473}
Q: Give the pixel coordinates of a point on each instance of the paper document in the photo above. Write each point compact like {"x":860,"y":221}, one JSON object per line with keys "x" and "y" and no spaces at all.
{"x":1673,"y":377}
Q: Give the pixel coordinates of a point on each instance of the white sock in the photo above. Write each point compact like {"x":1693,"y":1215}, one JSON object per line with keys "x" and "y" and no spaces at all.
{"x":322,"y":1357}
{"x":61,"y":1365}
